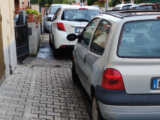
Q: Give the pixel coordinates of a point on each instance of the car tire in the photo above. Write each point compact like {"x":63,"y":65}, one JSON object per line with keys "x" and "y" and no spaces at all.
{"x":56,"y":53}
{"x":96,"y":114}
{"x":50,"y":43}
{"x":75,"y":77}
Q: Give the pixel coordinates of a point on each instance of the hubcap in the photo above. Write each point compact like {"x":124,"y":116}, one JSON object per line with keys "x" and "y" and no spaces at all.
{"x":94,"y":110}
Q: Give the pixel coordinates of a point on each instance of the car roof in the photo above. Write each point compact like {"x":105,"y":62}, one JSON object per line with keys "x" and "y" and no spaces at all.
{"x":123,"y":5}
{"x":59,"y":4}
{"x":142,"y":4}
{"x":146,"y":4}
{"x":78,"y":6}
{"x":132,"y":13}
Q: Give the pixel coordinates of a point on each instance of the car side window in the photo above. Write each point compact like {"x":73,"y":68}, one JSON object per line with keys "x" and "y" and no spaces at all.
{"x":56,"y":14}
{"x":88,"y":32}
{"x":100,"y":37}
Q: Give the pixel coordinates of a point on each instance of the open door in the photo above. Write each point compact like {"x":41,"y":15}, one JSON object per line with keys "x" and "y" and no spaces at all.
{"x":2,"y":65}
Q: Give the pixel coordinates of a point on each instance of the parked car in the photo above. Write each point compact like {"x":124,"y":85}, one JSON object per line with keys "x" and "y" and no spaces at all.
{"x":95,"y":6}
{"x":69,"y":19}
{"x":119,"y":65}
{"x":52,"y":10}
{"x":144,"y":6}
{"x":122,"y":6}
{"x":157,"y":5}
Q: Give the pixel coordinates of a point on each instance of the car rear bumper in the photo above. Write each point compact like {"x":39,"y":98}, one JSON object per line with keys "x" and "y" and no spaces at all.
{"x":120,"y":97}
{"x":118,"y":105}
{"x":60,"y":39}
{"x":111,"y":112}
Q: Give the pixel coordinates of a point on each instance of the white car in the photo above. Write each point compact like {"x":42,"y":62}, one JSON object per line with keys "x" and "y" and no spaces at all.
{"x":67,"y":20}
{"x":52,"y":10}
{"x":123,"y":6}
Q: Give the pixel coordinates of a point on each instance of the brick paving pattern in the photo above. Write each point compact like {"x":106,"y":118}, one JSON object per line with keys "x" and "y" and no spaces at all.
{"x":41,"y":93}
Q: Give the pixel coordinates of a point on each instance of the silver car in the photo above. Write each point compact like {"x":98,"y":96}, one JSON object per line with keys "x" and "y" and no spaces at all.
{"x":117,"y":60}
{"x":144,"y":6}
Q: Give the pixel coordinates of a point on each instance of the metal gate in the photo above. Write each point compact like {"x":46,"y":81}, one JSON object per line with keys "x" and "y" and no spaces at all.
{"x":2,"y":65}
{"x":22,"y":44}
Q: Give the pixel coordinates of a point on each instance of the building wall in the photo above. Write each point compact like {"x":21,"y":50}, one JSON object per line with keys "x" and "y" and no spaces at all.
{"x":78,"y":1}
{"x":23,"y":3}
{"x":9,"y":47}
{"x":35,"y":6}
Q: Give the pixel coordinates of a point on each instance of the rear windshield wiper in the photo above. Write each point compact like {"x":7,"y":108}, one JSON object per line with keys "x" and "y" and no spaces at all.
{"x":68,"y":19}
{"x":81,"y":20}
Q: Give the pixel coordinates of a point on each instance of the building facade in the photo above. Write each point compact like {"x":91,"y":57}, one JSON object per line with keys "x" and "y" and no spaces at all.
{"x":21,"y":3}
{"x":7,"y":38}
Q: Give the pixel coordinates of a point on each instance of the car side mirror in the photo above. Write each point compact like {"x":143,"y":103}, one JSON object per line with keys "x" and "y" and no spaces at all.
{"x":48,"y":19}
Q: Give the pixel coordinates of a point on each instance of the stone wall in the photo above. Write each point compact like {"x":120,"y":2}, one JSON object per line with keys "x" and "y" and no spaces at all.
{"x":34,"y":38}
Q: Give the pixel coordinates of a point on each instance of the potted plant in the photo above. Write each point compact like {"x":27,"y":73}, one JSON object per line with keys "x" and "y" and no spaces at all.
{"x":38,"y":18}
{"x":31,"y":14}
{"x":46,"y":5}
{"x":27,"y":7}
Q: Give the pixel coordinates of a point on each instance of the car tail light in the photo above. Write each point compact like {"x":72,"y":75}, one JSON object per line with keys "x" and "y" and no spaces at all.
{"x":63,"y":46}
{"x":61,"y":27}
{"x":158,"y":17}
{"x":83,"y":9}
{"x":112,"y":80}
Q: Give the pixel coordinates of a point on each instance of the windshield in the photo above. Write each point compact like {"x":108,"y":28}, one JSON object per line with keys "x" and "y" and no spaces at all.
{"x":140,"y":39}
{"x":53,"y":9}
{"x":79,"y":15}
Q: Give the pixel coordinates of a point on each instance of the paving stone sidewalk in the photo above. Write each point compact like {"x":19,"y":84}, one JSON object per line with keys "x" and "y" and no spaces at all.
{"x":41,"y":93}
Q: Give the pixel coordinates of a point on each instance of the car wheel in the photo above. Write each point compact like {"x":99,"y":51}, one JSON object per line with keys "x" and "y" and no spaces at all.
{"x":50,"y":43}
{"x":75,"y":77}
{"x":56,"y":52}
{"x":96,"y":114}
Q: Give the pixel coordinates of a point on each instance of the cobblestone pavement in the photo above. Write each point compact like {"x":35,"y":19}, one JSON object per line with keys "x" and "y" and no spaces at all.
{"x":42,"y":89}
{"x":41,"y":93}
{"x":45,"y":56}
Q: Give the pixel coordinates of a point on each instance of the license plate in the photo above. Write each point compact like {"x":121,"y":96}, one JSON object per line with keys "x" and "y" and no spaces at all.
{"x":156,"y":84}
{"x":77,"y":30}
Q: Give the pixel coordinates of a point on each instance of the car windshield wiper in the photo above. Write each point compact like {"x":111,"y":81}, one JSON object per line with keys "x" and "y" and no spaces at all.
{"x":81,"y":20}
{"x":68,"y":19}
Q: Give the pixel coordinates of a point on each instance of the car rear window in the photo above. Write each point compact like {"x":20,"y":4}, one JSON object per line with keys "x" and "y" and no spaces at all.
{"x":147,"y":7}
{"x":140,"y":40}
{"x":53,"y":9}
{"x":79,"y":15}
{"x":126,"y":7}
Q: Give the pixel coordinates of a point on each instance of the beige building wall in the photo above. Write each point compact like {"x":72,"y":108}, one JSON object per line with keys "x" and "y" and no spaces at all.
{"x":78,"y":1}
{"x":9,"y":47}
{"x":35,"y":6}
{"x":21,"y":3}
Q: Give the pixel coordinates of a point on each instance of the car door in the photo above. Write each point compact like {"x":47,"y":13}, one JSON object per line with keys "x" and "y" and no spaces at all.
{"x":95,"y":52}
{"x":82,"y":48}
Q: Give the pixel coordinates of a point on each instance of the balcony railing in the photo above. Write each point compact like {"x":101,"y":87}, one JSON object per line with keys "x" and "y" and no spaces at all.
{"x":18,"y":10}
